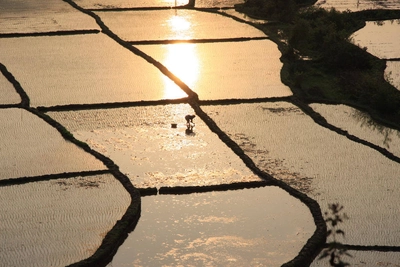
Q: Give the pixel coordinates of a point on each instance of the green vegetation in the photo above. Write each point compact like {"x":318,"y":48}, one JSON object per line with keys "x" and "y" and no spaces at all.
{"x":320,"y":62}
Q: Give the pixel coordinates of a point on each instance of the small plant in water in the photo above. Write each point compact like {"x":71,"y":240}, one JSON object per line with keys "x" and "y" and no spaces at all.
{"x":335,"y":250}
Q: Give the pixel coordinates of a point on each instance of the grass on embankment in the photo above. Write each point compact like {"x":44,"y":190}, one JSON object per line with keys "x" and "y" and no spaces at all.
{"x":320,"y":62}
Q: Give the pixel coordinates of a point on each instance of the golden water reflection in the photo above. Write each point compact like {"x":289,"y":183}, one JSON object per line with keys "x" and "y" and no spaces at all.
{"x":179,"y":2}
{"x":183,"y":61}
{"x":179,"y":24}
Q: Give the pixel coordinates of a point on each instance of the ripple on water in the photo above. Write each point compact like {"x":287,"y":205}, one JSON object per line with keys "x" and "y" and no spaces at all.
{"x":251,"y":227}
{"x":8,"y":93}
{"x":357,"y":5}
{"x":141,"y":141}
{"x":365,"y":258}
{"x":361,"y":125}
{"x":380,"y":38}
{"x":62,"y":70}
{"x":153,"y":3}
{"x":233,"y":70}
{"x":217,"y":3}
{"x":392,"y":73}
{"x":46,"y":224}
{"x":42,"y":16}
{"x":31,"y":147}
{"x":336,"y":169}
{"x":99,"y":4}
{"x":175,"y":25}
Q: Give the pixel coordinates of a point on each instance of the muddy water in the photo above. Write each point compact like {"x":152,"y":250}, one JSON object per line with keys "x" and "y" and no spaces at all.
{"x":56,"y":223}
{"x":217,"y":3}
{"x":68,"y":218}
{"x":357,"y":5}
{"x":20,"y":16}
{"x":175,"y":25}
{"x":224,"y":70}
{"x":30,"y":147}
{"x":154,"y":3}
{"x":365,"y":258}
{"x":101,"y":4}
{"x":8,"y":94}
{"x":233,"y":228}
{"x":381,"y":38}
{"x":60,"y":70}
{"x":152,"y":153}
{"x":392,"y":73}
{"x":282,"y":140}
{"x":361,"y":125}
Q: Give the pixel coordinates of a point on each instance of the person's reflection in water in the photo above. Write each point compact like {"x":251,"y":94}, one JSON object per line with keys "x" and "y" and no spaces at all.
{"x":189,"y":124}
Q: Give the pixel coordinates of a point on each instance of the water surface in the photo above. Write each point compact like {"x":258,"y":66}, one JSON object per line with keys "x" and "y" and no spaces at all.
{"x":232,"y":70}
{"x":361,"y":125}
{"x":99,"y":4}
{"x":30,"y":147}
{"x":392,"y":73}
{"x":251,"y":227}
{"x":175,"y":25}
{"x":8,"y":94}
{"x":58,"y":222}
{"x":103,"y":4}
{"x":141,"y":141}
{"x":25,"y":16}
{"x":357,"y":5}
{"x":217,"y":3}
{"x":365,"y":258}
{"x":82,"y":69}
{"x":381,"y":38}
{"x":330,"y":167}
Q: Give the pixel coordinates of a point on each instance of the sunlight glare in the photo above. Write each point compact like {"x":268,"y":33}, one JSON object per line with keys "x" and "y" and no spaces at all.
{"x":178,"y":2}
{"x":180,"y":26}
{"x":182,"y":60}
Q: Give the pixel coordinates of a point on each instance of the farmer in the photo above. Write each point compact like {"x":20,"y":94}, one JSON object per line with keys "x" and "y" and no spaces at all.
{"x":189,"y":123}
{"x":189,"y":119}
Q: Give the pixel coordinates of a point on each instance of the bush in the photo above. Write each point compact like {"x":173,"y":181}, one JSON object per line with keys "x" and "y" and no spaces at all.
{"x":280,"y":10}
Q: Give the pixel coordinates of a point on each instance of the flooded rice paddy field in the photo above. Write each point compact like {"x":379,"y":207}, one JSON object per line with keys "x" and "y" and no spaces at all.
{"x":357,"y":5}
{"x":87,"y":116}
{"x":365,"y":258}
{"x":20,"y":16}
{"x":54,"y":223}
{"x":107,"y":4}
{"x":103,"y":4}
{"x":393,"y":73}
{"x":31,"y":147}
{"x":361,"y":125}
{"x":87,"y":75}
{"x":218,"y":229}
{"x":8,"y":93}
{"x":280,"y":138}
{"x":382,"y":39}
{"x":150,"y":152}
{"x":218,"y":71}
{"x":172,"y":24}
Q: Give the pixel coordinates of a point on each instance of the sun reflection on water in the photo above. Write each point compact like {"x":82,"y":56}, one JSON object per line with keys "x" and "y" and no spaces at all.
{"x":179,"y":24}
{"x":178,"y":2}
{"x":183,"y":61}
